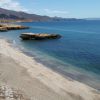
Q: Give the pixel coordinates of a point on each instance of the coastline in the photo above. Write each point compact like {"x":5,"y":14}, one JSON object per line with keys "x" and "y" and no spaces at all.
{"x":43,"y":78}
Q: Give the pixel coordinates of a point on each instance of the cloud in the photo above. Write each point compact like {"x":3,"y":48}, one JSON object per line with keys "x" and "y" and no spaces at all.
{"x":12,"y":5}
{"x":55,"y":11}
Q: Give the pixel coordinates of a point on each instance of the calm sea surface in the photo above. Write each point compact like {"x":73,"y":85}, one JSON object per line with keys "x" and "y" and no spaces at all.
{"x":76,"y":54}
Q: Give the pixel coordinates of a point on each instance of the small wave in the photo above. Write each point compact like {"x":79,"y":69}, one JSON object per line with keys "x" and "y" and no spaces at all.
{"x":14,"y":42}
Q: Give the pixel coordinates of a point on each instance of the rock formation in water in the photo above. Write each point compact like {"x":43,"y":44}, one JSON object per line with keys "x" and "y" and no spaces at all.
{"x":30,"y":36}
{"x":6,"y":27}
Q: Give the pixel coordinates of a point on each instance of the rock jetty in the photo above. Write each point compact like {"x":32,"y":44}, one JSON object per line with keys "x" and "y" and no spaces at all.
{"x":37,"y":36}
{"x":7,"y":27}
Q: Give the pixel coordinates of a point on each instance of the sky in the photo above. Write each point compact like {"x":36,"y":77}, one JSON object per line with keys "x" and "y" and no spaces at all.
{"x":60,"y":8}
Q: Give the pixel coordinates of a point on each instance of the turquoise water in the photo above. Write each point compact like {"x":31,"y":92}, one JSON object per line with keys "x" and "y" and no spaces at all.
{"x":76,"y":54}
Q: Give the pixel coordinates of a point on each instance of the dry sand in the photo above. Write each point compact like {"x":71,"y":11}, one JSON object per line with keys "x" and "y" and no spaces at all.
{"x":35,"y":81}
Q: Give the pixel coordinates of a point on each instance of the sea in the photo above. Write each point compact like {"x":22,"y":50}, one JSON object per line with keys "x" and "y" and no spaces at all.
{"x":76,"y":55}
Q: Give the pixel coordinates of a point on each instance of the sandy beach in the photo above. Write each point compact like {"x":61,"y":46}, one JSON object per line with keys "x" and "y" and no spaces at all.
{"x":34,"y":81}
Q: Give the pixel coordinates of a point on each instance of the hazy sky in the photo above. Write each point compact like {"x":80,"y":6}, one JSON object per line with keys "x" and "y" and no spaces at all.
{"x":61,"y":8}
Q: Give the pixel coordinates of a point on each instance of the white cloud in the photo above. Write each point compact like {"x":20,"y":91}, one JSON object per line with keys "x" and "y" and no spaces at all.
{"x":55,"y":11}
{"x":12,"y":5}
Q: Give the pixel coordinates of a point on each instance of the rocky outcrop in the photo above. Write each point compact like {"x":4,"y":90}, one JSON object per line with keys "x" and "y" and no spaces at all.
{"x":3,"y":29}
{"x":30,"y":36}
{"x":6,"y":27}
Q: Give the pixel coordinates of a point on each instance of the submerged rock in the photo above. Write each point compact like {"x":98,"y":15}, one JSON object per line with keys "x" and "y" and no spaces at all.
{"x":30,"y":36}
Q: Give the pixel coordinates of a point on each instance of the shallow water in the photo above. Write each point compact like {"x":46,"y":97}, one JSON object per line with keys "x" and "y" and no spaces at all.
{"x":76,"y":54}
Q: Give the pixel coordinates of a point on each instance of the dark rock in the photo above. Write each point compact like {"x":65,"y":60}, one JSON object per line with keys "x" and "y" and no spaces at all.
{"x":28,"y":36}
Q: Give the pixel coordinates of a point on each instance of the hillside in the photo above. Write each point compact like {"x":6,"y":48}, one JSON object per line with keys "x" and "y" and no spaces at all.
{"x":9,"y":14}
{"x":6,"y":15}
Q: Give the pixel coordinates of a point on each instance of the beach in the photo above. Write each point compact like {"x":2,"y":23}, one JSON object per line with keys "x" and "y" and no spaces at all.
{"x":35,"y":81}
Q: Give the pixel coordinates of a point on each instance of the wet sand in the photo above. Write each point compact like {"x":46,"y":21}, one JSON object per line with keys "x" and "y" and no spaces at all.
{"x":35,"y":81}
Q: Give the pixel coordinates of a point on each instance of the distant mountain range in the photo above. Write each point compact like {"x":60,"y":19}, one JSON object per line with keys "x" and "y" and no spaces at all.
{"x":92,"y":18}
{"x":15,"y":15}
{"x":9,"y":14}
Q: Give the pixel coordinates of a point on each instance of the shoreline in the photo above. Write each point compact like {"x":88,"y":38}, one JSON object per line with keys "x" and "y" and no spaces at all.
{"x":66,"y":74}
{"x":47,"y":77}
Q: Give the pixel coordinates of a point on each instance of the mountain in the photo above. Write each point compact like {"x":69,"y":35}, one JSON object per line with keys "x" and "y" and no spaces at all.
{"x":22,"y":16}
{"x":15,"y":15}
{"x":92,"y":18}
